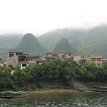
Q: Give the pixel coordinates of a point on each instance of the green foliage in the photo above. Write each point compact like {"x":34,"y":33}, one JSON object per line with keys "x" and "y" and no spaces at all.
{"x":86,"y":42}
{"x":7,"y":42}
{"x":5,"y":78}
{"x":11,"y":67}
{"x":30,"y":44}
{"x":52,"y":70}
{"x":63,"y":46}
{"x":63,"y":71}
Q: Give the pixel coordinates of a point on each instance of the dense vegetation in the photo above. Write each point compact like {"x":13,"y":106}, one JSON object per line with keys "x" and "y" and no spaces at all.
{"x":30,"y":44}
{"x":86,"y":42}
{"x":63,"y":46}
{"x":7,"y":42}
{"x":63,"y":71}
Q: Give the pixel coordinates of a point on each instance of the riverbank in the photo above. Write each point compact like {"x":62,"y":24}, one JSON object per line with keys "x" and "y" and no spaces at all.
{"x":48,"y":87}
{"x":52,"y":91}
{"x":56,"y":88}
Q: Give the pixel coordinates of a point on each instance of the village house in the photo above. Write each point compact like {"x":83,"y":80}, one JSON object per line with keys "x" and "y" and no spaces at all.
{"x":97,"y":60}
{"x":58,"y":56}
{"x":104,"y":60}
{"x":64,"y":55}
{"x":13,"y":58}
{"x":51,"y":56}
{"x":24,"y":60}
{"x":80,"y":59}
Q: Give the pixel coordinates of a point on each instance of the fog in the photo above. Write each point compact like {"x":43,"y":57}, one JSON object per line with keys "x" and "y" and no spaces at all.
{"x":41,"y":16}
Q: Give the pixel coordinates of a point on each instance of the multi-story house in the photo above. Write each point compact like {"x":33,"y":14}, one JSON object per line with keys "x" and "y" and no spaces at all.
{"x":51,"y":56}
{"x":80,"y":59}
{"x":64,"y":55}
{"x":15,"y":58}
{"x":97,"y":60}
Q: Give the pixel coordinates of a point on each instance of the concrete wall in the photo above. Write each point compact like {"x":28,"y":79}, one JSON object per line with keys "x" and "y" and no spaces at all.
{"x":12,"y":61}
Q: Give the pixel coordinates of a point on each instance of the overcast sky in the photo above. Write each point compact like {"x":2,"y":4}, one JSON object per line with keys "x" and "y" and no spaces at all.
{"x":40,"y":16}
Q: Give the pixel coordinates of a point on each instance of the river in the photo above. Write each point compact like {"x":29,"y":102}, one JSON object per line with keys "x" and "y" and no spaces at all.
{"x":65,"y":99}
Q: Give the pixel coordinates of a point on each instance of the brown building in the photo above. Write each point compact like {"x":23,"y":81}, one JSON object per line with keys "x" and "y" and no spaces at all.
{"x":24,"y":60}
{"x":97,"y":60}
{"x":15,"y":58}
{"x":64,"y":55}
{"x":80,"y":59}
{"x":58,"y":56}
{"x":51,"y":56}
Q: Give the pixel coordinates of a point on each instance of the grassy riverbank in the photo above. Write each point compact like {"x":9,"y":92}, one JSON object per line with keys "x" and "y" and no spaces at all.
{"x":45,"y":86}
{"x":94,"y":84}
{"x":54,"y":86}
{"x":52,"y":91}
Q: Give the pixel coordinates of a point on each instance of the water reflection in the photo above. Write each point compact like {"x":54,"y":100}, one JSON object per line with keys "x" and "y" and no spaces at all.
{"x":59,"y":100}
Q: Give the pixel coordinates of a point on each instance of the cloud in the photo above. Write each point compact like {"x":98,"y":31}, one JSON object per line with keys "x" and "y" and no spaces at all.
{"x":39,"y":16}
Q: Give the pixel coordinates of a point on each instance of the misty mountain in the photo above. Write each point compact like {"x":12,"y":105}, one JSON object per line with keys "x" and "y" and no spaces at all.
{"x":8,"y":41}
{"x":86,"y":42}
{"x":63,"y":46}
{"x":30,"y":44}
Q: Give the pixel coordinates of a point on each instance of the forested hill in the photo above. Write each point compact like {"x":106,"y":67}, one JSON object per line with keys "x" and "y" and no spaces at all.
{"x":30,"y":44}
{"x":8,"y":41}
{"x":63,"y":46}
{"x":87,"y":42}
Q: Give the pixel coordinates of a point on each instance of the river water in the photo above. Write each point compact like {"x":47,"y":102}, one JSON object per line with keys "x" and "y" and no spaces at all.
{"x":65,"y":99}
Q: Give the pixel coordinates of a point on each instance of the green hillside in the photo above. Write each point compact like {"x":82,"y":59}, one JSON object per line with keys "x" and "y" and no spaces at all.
{"x":30,"y":44}
{"x":63,"y":46}
{"x":7,"y":42}
{"x":86,"y":42}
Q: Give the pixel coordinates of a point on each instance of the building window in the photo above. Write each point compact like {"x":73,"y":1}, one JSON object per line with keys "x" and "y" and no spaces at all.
{"x":92,"y":59}
{"x":98,"y":59}
{"x":63,"y":56}
{"x":24,"y":65}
